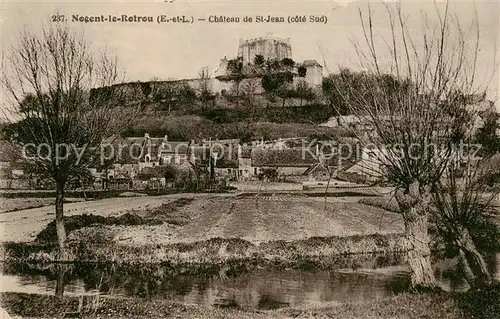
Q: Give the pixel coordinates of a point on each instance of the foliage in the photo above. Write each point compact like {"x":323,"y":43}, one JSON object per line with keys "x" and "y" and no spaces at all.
{"x":487,"y":135}
{"x":166,"y":94}
{"x":348,"y":90}
{"x":302,"y":71}
{"x":268,"y":174}
{"x":170,"y":172}
{"x":287,"y":62}
{"x":259,"y":60}
{"x":278,"y":84}
{"x":48,"y":234}
{"x":146,"y":88}
{"x":273,"y":65}
{"x":187,"y":95}
{"x":60,"y":113}
{"x":304,"y":92}
{"x":235,"y":68}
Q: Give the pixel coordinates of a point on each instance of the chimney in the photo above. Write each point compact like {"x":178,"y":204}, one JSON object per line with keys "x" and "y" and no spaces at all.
{"x":146,"y":135}
{"x":166,"y":138}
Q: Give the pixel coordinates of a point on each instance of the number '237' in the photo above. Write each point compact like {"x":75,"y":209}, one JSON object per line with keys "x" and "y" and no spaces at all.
{"x":58,"y":18}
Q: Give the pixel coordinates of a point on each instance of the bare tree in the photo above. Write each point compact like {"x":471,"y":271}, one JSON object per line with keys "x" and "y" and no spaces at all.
{"x":205,"y":88}
{"x":62,"y":130}
{"x":462,"y":207}
{"x":414,"y":100}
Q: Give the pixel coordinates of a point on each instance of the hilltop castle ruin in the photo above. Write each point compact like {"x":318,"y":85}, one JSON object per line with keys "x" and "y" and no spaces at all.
{"x":269,"y":47}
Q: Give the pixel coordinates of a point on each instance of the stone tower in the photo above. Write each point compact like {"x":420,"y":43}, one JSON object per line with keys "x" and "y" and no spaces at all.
{"x":270,"y":47}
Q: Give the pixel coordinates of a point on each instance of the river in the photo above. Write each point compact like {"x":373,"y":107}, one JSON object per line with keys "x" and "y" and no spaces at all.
{"x":258,"y":288}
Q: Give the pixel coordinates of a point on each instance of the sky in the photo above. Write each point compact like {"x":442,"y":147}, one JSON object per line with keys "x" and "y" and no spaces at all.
{"x":176,"y":51}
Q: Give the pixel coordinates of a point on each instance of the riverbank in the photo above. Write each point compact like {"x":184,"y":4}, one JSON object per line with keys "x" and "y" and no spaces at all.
{"x":436,"y":305}
{"x":216,"y":254}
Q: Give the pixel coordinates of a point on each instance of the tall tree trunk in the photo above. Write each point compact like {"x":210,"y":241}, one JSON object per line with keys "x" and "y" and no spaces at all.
{"x":472,"y":259}
{"x":106,"y":179}
{"x":83,"y":188}
{"x":330,"y":175}
{"x":413,"y":205}
{"x":419,"y":253}
{"x":60,"y":283}
{"x":61,"y":231}
{"x":467,"y":271}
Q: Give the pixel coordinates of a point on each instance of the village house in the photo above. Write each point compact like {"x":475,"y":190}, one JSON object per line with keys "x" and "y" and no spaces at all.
{"x":290,"y":164}
{"x":226,"y":169}
{"x":366,"y":170}
{"x":131,"y":161}
{"x":12,"y":170}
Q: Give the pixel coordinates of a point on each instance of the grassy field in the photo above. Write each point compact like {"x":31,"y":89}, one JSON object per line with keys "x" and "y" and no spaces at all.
{"x":284,"y":230}
{"x":261,"y":219}
{"x":403,"y":306}
{"x":289,"y":230}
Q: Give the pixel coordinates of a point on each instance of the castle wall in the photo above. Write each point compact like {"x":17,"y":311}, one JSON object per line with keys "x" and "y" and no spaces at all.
{"x":218,"y":86}
{"x":135,"y":91}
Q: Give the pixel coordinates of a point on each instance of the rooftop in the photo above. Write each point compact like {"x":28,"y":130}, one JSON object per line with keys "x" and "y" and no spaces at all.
{"x":308,"y":63}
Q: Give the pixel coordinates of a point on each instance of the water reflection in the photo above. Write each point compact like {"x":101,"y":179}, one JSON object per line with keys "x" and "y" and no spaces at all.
{"x":259,"y":288}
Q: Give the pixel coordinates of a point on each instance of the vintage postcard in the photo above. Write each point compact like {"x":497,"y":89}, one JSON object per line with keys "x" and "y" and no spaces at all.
{"x":250,"y":159}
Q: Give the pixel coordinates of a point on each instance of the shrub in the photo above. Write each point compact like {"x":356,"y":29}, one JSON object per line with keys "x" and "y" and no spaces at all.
{"x":48,"y":234}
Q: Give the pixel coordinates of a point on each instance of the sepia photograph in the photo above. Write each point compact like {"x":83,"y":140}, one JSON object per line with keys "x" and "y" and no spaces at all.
{"x":250,"y":159}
